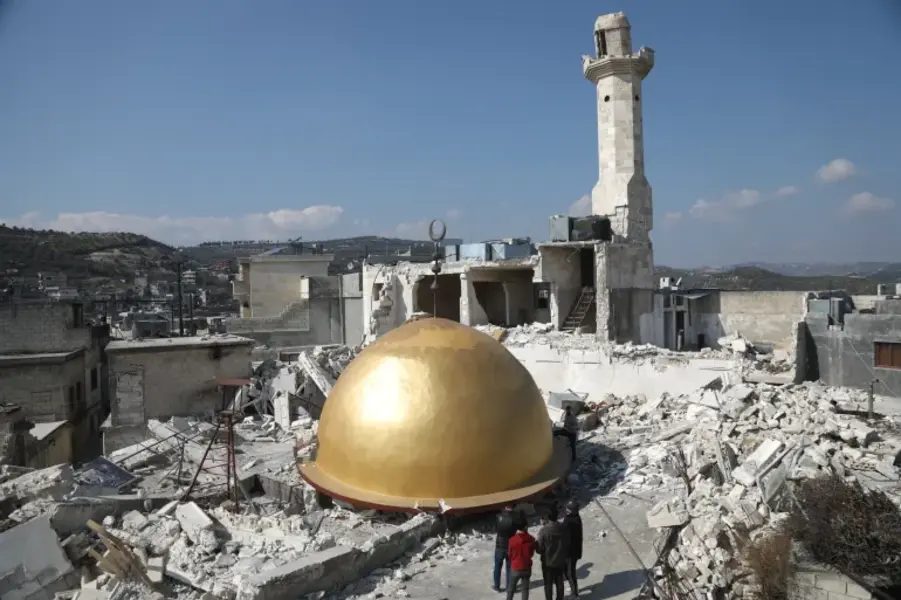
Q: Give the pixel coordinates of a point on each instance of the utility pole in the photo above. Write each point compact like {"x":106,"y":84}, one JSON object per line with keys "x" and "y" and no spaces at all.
{"x":193,"y":326}
{"x":870,"y":394}
{"x":181,"y":303}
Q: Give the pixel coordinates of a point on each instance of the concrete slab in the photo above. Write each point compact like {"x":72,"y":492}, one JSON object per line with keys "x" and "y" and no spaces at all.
{"x":607,"y":570}
{"x":34,"y":548}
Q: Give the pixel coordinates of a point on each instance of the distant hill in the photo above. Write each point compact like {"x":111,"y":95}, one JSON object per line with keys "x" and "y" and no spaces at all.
{"x":758,"y":279}
{"x":119,"y":255}
{"x":344,"y":249}
{"x":78,"y":255}
{"x":884,"y":272}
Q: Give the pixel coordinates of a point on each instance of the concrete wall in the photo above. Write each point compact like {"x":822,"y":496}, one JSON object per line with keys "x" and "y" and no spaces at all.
{"x":167,"y":382}
{"x":560,"y":267}
{"x":34,"y":327}
{"x":625,"y":292}
{"x":761,"y":317}
{"x":55,"y":449}
{"x":845,"y":356}
{"x":597,"y":373}
{"x":311,"y":322}
{"x":275,"y":282}
{"x":42,"y":390}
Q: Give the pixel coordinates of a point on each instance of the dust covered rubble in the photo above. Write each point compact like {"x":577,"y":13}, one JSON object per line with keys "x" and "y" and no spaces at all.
{"x":723,"y":455}
{"x":732,"y":347}
{"x":196,"y":551}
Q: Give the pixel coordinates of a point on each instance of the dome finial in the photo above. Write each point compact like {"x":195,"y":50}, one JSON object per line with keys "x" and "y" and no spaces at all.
{"x":437,"y":231}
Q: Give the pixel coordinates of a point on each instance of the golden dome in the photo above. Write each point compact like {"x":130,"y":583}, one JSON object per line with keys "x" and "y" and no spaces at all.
{"x":434,"y":413}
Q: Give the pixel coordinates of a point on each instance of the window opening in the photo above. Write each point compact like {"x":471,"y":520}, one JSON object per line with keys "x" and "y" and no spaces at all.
{"x":887,"y":355}
{"x":601,"y":39}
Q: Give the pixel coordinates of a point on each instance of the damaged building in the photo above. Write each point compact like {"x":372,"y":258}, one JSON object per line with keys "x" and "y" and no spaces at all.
{"x":51,"y":366}
{"x":165,"y":377}
{"x":693,"y":418}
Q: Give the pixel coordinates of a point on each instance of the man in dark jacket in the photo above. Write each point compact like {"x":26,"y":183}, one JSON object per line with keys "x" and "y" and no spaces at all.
{"x":573,"y":524}
{"x":508,"y":521}
{"x":553,"y":546}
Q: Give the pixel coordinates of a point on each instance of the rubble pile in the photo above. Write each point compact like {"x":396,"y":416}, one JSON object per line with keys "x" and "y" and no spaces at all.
{"x":733,"y":347}
{"x":178,"y":550}
{"x":723,"y":456}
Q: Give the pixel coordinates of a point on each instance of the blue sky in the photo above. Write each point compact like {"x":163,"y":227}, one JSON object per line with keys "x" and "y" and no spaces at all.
{"x":207,"y":119}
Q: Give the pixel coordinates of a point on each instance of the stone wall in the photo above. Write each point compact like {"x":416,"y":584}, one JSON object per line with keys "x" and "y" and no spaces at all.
{"x":845,"y":355}
{"x":34,"y":327}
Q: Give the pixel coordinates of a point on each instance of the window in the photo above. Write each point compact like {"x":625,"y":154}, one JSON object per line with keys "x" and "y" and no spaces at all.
{"x":93,"y":379}
{"x":666,"y":301}
{"x":71,"y":400}
{"x":887,"y":355}
{"x":77,"y":315}
{"x":680,"y":300}
{"x":542,"y":298}
{"x":601,"y":40}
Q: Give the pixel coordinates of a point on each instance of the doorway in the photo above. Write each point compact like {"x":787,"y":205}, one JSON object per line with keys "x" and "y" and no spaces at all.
{"x":587,"y":267}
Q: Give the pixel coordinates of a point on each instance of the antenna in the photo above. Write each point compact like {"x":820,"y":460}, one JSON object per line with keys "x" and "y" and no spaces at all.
{"x":437,"y":231}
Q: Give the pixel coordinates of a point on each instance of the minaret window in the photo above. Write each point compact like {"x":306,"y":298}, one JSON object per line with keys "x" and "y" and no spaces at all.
{"x":600,"y":38}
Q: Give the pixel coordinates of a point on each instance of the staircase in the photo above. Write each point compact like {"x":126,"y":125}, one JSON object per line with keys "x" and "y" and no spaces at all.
{"x":581,"y":310}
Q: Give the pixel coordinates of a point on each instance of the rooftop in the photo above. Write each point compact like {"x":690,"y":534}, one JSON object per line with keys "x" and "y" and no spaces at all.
{"x":175,"y":343}
{"x":10,"y":360}
{"x":43,"y":430}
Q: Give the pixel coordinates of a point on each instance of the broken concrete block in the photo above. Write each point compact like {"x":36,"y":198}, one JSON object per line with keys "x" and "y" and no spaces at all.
{"x":197,"y":526}
{"x":156,"y":568}
{"x":134,"y":521}
{"x":757,"y":462}
{"x":668,"y":513}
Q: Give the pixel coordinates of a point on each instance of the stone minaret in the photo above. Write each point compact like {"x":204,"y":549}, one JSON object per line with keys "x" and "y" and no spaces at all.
{"x":622,"y":192}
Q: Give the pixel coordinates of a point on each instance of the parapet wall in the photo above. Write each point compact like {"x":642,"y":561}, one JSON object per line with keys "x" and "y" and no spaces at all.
{"x":597,"y":372}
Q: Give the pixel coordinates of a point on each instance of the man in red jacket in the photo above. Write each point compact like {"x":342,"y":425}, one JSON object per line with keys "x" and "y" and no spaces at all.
{"x":520,"y":549}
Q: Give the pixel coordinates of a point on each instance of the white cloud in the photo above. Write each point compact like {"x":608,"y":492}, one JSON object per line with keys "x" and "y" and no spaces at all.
{"x":275,"y":225}
{"x":580,"y":207}
{"x":671,"y":218}
{"x":787,"y":190}
{"x":454,"y":214}
{"x":726,"y":207}
{"x":416,"y":230}
{"x":865,"y":202}
{"x":837,"y":170}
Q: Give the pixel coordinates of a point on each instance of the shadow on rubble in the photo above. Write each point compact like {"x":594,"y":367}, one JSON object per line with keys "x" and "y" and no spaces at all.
{"x":615,"y":584}
{"x":597,"y":471}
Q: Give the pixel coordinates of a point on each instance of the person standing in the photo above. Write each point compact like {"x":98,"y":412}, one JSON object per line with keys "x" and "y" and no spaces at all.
{"x":553,"y":546}
{"x":573,"y":524}
{"x":507,"y":522}
{"x":520,"y":550}
{"x":570,"y":429}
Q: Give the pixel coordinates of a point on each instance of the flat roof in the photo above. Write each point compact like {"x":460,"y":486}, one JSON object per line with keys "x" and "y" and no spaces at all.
{"x":178,"y":343}
{"x":42,"y":430}
{"x":39,"y":358}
